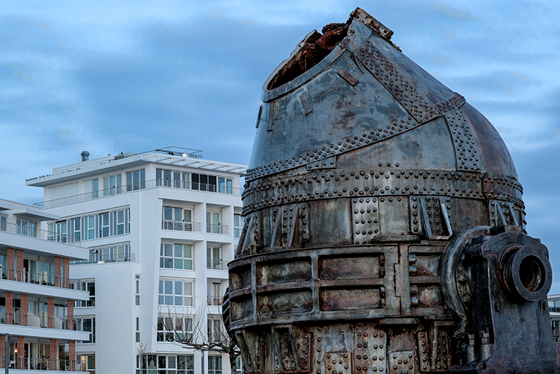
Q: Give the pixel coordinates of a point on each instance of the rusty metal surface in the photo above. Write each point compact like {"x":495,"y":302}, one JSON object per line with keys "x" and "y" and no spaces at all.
{"x":384,"y":228}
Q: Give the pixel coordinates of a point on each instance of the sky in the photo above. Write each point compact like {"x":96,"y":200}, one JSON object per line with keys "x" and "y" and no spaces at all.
{"x":132,"y":76}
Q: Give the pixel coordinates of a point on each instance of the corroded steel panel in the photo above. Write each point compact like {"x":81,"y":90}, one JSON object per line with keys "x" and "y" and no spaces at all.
{"x":384,"y":224}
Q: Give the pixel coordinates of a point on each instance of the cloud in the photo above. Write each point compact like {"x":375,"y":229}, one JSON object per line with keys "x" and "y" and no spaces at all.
{"x":450,"y":35}
{"x":215,"y":13}
{"x":462,"y":15}
{"x":9,"y":40}
{"x":44,"y":25}
{"x":34,"y":64}
{"x":23,"y":74}
{"x":440,"y":59}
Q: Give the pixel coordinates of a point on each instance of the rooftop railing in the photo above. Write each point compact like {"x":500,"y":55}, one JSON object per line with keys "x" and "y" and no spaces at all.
{"x":135,"y":187}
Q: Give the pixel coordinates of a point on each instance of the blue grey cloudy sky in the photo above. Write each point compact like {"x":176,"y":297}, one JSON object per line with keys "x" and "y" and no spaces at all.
{"x":131,"y":76}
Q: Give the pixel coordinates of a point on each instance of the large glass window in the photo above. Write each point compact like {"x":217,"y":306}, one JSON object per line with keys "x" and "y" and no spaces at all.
{"x":177,"y":218}
{"x":26,"y":227}
{"x":137,"y":279}
{"x":176,"y":256}
{"x":213,"y":224}
{"x":214,"y":258}
{"x":136,"y":180}
{"x":214,"y":364}
{"x":3,"y":222}
{"x":175,"y":292}
{"x":84,"y":285}
{"x":215,"y":331}
{"x":214,"y":293}
{"x":238,"y":222}
{"x":165,"y":364}
{"x":172,"y":178}
{"x":112,"y":185}
{"x":101,"y":225}
{"x":172,"y":328}
{"x":86,"y":363}
{"x":88,"y":324}
{"x":95,"y":188}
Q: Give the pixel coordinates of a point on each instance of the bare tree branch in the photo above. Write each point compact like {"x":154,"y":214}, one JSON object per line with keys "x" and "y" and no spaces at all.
{"x":205,"y":332}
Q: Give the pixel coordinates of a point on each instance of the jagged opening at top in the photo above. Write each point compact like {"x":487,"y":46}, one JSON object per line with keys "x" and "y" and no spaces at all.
{"x":315,"y":48}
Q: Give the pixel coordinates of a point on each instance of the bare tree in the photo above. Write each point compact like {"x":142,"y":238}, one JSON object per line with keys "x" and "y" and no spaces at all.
{"x":202,"y":331}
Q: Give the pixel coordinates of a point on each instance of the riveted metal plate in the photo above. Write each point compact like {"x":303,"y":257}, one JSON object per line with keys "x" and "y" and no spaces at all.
{"x":466,"y":149}
{"x":370,"y":351}
{"x":424,"y":352}
{"x":365,"y":219}
{"x":338,"y":363}
{"x":441,"y":358}
{"x":401,"y":362}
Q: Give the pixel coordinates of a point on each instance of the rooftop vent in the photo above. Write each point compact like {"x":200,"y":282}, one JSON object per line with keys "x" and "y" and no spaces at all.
{"x":85,"y":156}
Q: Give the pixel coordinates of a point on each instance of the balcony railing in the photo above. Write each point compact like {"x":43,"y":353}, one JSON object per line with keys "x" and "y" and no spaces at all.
{"x":180,"y":226}
{"x":97,"y":258}
{"x":214,"y":300}
{"x":149,"y":184}
{"x":217,"y":265}
{"x":217,"y":229}
{"x":32,"y":320}
{"x":22,"y":230}
{"x":35,"y":278}
{"x":23,"y":363}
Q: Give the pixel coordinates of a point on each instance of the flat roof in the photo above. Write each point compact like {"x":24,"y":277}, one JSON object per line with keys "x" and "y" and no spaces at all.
{"x":108,"y":163}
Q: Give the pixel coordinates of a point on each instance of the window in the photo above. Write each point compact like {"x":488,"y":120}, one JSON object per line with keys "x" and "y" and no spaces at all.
{"x":76,"y":229}
{"x":39,"y":272}
{"x":175,"y":218}
{"x":84,"y":285}
{"x":211,"y":183}
{"x":225,"y":185}
{"x":112,"y":185}
{"x":95,"y":188}
{"x":215,"y":329}
{"x":94,"y":226}
{"x":165,"y":364}
{"x":26,"y":227}
{"x":214,"y":364}
{"x":137,"y":278}
{"x":136,"y":180}
{"x":176,"y":256}
{"x":3,"y":222}
{"x":172,"y":178}
{"x":87,"y":362}
{"x":214,"y":258}
{"x":103,"y":224}
{"x":238,"y":365}
{"x":175,"y":292}
{"x":88,"y":324}
{"x":137,"y":329}
{"x":213,"y":224}
{"x":171,"y":328}
{"x":238,"y":222}
{"x":214,"y":293}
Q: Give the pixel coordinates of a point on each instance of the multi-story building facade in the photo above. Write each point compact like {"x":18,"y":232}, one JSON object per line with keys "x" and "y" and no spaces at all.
{"x":160,"y":227}
{"x":37,"y":321}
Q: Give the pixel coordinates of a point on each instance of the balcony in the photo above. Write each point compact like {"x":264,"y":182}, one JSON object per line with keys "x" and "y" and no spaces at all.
{"x":36,"y":233}
{"x":34,"y":278}
{"x":23,"y":363}
{"x":217,"y":229}
{"x":43,"y":321}
{"x":181,"y":226}
{"x":141,"y":186}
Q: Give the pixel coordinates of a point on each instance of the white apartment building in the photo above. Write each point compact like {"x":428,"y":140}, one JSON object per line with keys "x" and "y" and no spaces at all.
{"x":160,"y":227}
{"x":37,"y":322}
